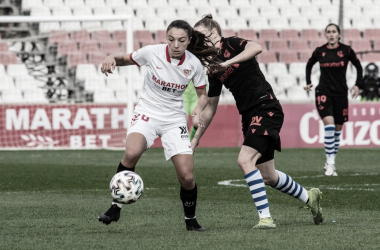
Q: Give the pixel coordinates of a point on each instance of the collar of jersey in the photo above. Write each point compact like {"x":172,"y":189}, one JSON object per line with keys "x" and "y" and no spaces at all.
{"x":332,"y":48}
{"x":168,"y":56}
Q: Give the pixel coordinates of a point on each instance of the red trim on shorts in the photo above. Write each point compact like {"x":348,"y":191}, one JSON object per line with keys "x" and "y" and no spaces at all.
{"x":201,"y":87}
{"x":130,"y":57}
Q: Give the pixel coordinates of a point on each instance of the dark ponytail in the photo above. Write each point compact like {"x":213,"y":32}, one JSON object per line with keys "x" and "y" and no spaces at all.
{"x":206,"y":54}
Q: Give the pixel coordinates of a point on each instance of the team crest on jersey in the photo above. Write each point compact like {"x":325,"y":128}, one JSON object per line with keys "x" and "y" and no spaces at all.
{"x":340,"y":53}
{"x":186,"y":72}
{"x":323,"y":54}
{"x":227,"y":54}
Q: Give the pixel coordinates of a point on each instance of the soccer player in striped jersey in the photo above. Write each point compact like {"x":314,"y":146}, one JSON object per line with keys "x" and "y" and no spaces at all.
{"x":331,"y":93}
{"x":159,"y":112}
{"x":262,"y":119}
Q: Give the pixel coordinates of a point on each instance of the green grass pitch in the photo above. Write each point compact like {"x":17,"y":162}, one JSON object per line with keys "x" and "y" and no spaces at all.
{"x":51,"y":200}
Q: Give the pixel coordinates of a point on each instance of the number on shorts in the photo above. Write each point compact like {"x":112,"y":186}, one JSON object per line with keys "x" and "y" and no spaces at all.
{"x":321,"y":98}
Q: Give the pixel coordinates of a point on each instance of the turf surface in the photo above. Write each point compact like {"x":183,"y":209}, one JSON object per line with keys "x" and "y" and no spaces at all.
{"x":51,"y":200}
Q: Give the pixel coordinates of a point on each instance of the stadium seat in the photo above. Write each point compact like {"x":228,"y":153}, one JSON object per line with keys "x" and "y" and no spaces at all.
{"x":258,"y":23}
{"x":228,"y":13}
{"x":123,"y":10}
{"x":278,"y":23}
{"x":165,"y":11}
{"x":304,"y":56}
{"x":84,"y":71}
{"x":199,"y":4}
{"x":110,"y":47}
{"x":361,"y":45}
{"x":160,"y":36}
{"x":278,"y":45}
{"x":3,"y":47}
{"x":351,"y":11}
{"x":288,"y":11}
{"x":269,"y":11}
{"x":35,"y":96}
{"x":117,"y":83}
{"x":289,"y":34}
{"x":100,"y":36}
{"x":66,"y":47}
{"x":70,"y":26}
{"x":309,"y":34}
{"x":74,"y":3}
{"x":94,"y":83}
{"x":155,"y":23}
{"x":362,"y":23}
{"x":207,"y":10}
{"x":248,"y":34}
{"x":96,"y":58}
{"x":240,"y":4}
{"x":2,"y":71}
{"x":104,"y":96}
{"x":136,"y":46}
{"x":268,"y":35}
{"x":25,"y":82}
{"x":143,"y":36}
{"x":46,"y":27}
{"x":73,"y":59}
{"x":79,"y":35}
{"x":376,"y":45}
{"x":219,"y":3}
{"x":7,"y":58}
{"x":94,"y":3}
{"x":228,"y":33}
{"x":237,"y":23}
{"x":371,"y":34}
{"x":248,"y":12}
{"x":122,"y":96}
{"x":329,"y":11}
{"x":371,"y":57}
{"x":15,"y":70}
{"x":82,"y":11}
{"x":146,"y":12}
{"x":297,"y":94}
{"x":158,"y":3}
{"x":12,"y":96}
{"x":115,"y":3}
{"x":267,"y":57}
{"x":280,"y":3}
{"x":58,"y":36}
{"x":288,"y":57}
{"x":53,"y":3}
{"x":310,"y":11}
{"x":351,"y":35}
{"x":297,"y":69}
{"x":299,"y":45}
{"x":263,"y":45}
{"x":89,"y":47}
{"x":277,"y":68}
{"x":285,"y":80}
{"x":299,"y":23}
{"x":321,"y":2}
{"x":371,"y":11}
{"x":317,"y":43}
{"x":27,"y":5}
{"x":301,"y":3}
{"x":6,"y":82}
{"x":136,"y":3}
{"x":363,"y":2}
{"x":61,"y":11}
{"x":177,"y":3}
{"x":119,"y":36}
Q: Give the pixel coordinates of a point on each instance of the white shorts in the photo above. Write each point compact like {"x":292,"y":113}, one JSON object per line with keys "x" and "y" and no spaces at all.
{"x":174,"y":135}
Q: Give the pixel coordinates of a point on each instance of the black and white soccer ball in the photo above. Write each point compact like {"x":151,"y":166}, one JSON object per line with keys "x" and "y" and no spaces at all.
{"x":126,"y":187}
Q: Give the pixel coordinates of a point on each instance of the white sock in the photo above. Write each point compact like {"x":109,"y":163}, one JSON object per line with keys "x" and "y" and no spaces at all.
{"x":286,"y":185}
{"x":330,"y":144}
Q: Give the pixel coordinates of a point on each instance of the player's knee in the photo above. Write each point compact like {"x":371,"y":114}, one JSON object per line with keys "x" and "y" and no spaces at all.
{"x":243,"y":161}
{"x":131,"y":155}
{"x":186,"y":180}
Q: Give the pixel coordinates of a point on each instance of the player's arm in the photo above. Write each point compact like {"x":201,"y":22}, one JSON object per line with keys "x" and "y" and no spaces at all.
{"x":112,"y":61}
{"x":206,"y":116}
{"x":201,"y":104}
{"x":359,"y":72}
{"x":250,"y":50}
{"x":309,"y":67}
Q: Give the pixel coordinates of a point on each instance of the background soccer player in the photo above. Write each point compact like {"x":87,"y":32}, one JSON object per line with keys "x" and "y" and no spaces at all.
{"x":159,"y":112}
{"x":331,"y":93}
{"x":262,"y":119}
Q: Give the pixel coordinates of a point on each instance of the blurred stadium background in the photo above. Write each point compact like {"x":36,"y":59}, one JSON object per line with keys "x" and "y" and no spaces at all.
{"x":55,"y":65}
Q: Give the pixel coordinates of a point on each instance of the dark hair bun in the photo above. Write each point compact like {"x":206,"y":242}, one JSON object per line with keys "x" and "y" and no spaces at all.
{"x":207,"y":16}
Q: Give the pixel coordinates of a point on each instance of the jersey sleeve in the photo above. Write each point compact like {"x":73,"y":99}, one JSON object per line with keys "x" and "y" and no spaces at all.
{"x":312,"y":60}
{"x":199,"y":79}
{"x":356,"y":62}
{"x":215,"y":86}
{"x":143,"y":56}
{"x":237,"y":43}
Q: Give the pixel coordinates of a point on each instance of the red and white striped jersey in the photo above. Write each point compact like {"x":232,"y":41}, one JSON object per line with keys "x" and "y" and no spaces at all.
{"x":166,"y":79}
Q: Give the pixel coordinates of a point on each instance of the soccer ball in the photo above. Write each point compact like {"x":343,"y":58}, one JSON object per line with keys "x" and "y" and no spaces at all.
{"x":126,"y":187}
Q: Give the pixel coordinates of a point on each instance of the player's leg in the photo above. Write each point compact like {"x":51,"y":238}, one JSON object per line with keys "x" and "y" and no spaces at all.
{"x":247,"y":159}
{"x":140,"y":137}
{"x":285,"y":184}
{"x":194,"y":126}
{"x":177,"y":148}
{"x":326,"y":112}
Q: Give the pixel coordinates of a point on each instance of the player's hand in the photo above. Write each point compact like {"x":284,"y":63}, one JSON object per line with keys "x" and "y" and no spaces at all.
{"x":194,"y":144}
{"x":108,"y":65}
{"x":219,"y":67}
{"x":308,"y":87}
{"x":354,"y":91}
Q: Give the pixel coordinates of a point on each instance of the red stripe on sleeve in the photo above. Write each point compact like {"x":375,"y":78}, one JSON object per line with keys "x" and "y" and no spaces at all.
{"x":130,"y":57}
{"x":201,"y":87}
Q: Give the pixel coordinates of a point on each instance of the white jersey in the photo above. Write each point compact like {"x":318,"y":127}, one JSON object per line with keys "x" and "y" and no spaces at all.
{"x":166,"y":79}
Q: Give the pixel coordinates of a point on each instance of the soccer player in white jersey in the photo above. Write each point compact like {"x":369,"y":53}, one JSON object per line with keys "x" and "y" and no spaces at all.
{"x":159,"y":112}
